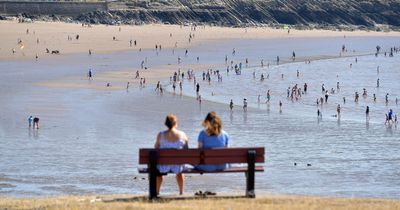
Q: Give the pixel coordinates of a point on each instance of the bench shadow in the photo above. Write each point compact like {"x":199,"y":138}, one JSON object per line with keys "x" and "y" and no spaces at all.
{"x":171,"y":198}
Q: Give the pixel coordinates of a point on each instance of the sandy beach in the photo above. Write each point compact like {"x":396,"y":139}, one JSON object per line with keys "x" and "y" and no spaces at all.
{"x":99,"y":38}
{"x":90,"y":132}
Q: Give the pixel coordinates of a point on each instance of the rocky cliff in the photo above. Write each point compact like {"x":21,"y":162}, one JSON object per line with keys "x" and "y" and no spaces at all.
{"x":365,"y":14}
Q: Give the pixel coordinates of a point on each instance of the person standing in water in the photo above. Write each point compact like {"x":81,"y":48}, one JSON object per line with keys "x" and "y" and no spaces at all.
{"x":197,"y":89}
{"x":387,"y":98}
{"x":158,"y":86}
{"x":367,"y":113}
{"x":326,"y":97}
{"x":245,"y":105}
{"x":90,"y":74}
{"x":319,"y":114}
{"x":231,"y":105}
{"x":268,"y":96}
{"x":36,"y":123}
{"x":280,"y":106}
{"x":30,"y":120}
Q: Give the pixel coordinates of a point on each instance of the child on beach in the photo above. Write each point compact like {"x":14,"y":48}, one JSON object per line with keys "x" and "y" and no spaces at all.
{"x":30,"y":120}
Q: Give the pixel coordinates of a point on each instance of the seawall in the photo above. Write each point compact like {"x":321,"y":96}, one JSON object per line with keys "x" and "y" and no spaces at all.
{"x":50,"y":8}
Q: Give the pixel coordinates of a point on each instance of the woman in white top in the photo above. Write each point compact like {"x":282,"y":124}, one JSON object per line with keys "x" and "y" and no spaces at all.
{"x":172,"y":138}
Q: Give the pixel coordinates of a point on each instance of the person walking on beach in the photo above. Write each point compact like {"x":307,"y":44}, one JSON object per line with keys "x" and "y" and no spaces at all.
{"x":231,"y":105}
{"x":387,"y":98}
{"x":280,"y":106}
{"x":268,"y":96}
{"x":356,"y":96}
{"x":319,"y":114}
{"x":389,"y":116}
{"x":172,"y":138}
{"x":137,"y":74}
{"x":377,"y":83}
{"x":326,"y":97}
{"x":158,"y":86}
{"x":30,"y":120}
{"x":245,"y":105}
{"x":338,"y":110}
{"x":90,"y":74}
{"x":367,"y":113}
{"x":197,"y":89}
{"x":174,"y":86}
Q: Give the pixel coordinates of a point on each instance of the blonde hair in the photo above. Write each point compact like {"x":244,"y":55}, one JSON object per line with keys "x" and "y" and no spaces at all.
{"x":170,"y":121}
{"x":212,"y":124}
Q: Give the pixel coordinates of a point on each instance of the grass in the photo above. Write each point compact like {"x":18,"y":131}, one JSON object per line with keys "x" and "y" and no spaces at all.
{"x":137,"y":203}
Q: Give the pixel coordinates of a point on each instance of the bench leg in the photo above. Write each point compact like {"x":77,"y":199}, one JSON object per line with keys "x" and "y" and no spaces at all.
{"x":152,"y":175}
{"x":250,"y":174}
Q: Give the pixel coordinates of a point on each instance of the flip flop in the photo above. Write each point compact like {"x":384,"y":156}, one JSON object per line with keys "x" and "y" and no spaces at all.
{"x":209,"y":193}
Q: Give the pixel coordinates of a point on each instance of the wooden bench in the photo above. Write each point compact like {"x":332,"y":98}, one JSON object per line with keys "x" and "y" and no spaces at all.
{"x":251,"y":156}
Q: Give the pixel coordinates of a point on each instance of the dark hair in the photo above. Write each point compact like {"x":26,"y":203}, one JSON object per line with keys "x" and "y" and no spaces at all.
{"x":212,"y":124}
{"x":170,"y":121}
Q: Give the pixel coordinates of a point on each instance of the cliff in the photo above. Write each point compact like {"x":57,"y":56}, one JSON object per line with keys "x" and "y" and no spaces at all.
{"x":364,"y":14}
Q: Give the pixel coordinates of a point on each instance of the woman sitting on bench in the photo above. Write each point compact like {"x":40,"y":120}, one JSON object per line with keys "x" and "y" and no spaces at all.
{"x":171,"y":139}
{"x":212,"y":137}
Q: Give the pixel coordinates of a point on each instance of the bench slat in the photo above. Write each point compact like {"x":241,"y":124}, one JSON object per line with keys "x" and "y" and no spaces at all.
{"x":230,"y":159}
{"x":194,"y":156}
{"x":227,"y":170}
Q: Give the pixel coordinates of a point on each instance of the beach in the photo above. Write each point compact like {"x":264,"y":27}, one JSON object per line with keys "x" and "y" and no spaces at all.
{"x":90,"y":132}
{"x":99,"y":38}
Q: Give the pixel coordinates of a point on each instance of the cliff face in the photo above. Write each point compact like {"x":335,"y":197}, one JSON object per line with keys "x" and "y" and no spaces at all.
{"x":303,"y":13}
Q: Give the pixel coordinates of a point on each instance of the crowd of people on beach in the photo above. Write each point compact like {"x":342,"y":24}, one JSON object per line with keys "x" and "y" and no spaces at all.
{"x":294,"y":92}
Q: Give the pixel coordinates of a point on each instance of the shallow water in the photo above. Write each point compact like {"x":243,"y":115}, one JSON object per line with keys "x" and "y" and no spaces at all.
{"x":89,"y":139}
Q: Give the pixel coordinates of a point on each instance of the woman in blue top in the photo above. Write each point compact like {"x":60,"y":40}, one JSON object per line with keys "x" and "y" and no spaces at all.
{"x":212,"y":137}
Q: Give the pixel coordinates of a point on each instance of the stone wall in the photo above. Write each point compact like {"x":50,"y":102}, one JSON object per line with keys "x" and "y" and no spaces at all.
{"x":50,"y":8}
